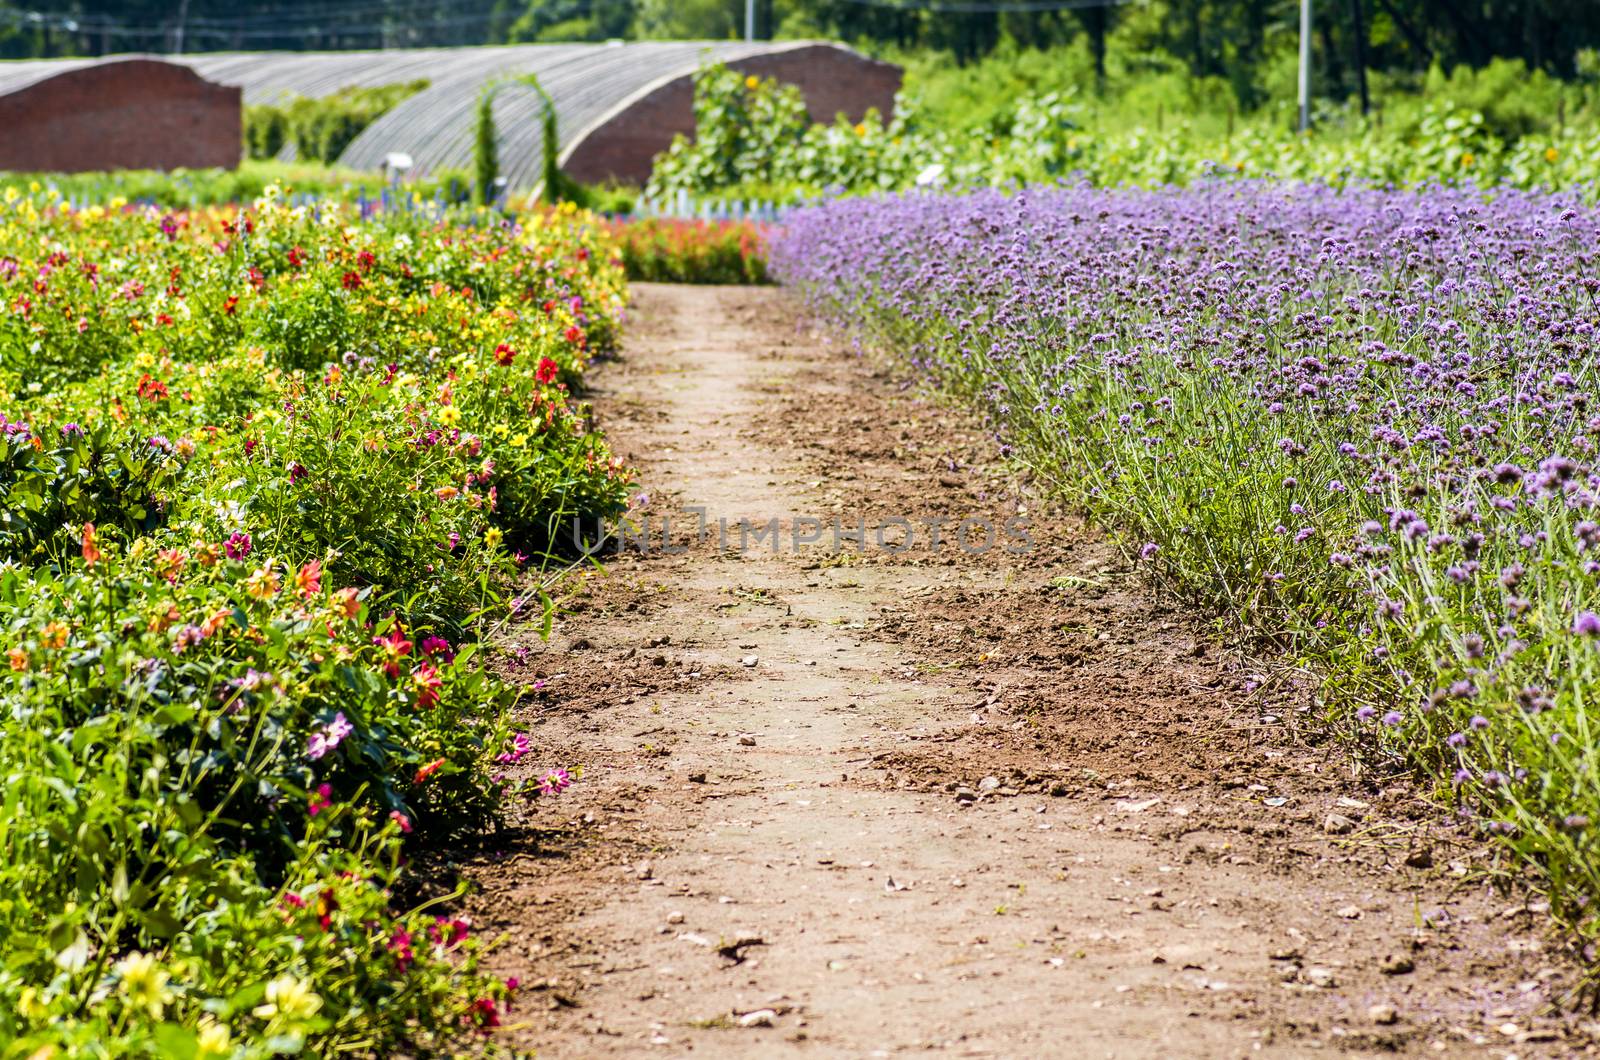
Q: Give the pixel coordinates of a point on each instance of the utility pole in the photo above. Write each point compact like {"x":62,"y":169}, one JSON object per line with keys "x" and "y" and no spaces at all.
{"x":1305,"y":65}
{"x":749,"y":19}
{"x":183,"y":16}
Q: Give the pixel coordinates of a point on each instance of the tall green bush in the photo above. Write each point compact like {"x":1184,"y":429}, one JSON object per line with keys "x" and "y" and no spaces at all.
{"x":321,"y":128}
{"x":485,"y":153}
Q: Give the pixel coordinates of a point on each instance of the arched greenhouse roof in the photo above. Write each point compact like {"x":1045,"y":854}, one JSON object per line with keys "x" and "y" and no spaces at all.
{"x":593,"y":87}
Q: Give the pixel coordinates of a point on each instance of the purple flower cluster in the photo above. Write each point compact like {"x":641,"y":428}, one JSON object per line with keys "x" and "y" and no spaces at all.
{"x":1367,"y":420}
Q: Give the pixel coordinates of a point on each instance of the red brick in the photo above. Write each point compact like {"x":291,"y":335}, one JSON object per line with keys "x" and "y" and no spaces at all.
{"x":122,"y":114}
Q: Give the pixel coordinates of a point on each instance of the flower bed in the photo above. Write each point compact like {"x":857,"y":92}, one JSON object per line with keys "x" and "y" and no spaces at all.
{"x":677,"y":251}
{"x":262,"y":470}
{"x":1362,"y":423}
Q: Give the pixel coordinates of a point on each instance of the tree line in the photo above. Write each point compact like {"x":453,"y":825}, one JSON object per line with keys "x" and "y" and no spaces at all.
{"x":1212,"y":38}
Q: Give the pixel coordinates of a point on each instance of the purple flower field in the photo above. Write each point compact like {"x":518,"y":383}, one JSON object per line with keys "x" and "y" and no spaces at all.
{"x":1362,"y":424}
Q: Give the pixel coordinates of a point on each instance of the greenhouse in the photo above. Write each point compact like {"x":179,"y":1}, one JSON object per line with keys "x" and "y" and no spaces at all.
{"x":617,"y":104}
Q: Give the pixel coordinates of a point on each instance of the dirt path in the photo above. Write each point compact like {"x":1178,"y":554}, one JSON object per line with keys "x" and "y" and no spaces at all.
{"x":863,"y":804}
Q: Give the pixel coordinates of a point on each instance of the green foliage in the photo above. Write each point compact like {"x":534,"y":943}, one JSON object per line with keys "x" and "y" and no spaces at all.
{"x":746,"y":129}
{"x":485,"y":152}
{"x":266,"y":131}
{"x":182,"y":188}
{"x":1499,"y":125}
{"x":321,"y":128}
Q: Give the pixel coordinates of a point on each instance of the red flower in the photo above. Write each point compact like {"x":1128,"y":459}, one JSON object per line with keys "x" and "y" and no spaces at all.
{"x":352,"y":281}
{"x":230,"y":305}
{"x":394,"y":647}
{"x":308,"y":579}
{"x":428,"y":685}
{"x":326,"y":904}
{"x":575,"y":336}
{"x":151,"y":388}
{"x":483,"y":1014}
{"x":504,"y":355}
{"x":449,"y":931}
{"x":297,"y":258}
{"x":548,"y":370}
{"x":91,"y":553}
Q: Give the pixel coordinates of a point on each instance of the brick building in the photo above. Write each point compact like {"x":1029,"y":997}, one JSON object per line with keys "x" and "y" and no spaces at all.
{"x":133,"y":113}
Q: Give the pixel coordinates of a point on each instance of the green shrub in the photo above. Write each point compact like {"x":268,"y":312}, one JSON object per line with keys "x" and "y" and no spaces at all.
{"x":266,"y":131}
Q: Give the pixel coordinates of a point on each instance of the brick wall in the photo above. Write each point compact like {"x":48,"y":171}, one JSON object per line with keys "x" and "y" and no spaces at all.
{"x":124,"y":114}
{"x":832,"y":79}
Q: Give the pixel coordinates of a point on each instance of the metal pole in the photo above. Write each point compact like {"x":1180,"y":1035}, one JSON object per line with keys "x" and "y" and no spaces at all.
{"x":749,"y":20}
{"x":183,"y":16}
{"x":1305,"y":65}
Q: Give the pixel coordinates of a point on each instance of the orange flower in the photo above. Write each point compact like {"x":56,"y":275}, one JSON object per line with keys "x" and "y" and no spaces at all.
{"x":19,"y":663}
{"x":346,"y":602}
{"x":91,"y":554}
{"x":210,"y":626}
{"x":446,"y":493}
{"x":169,"y":561}
{"x":425,"y":772}
{"x":308,"y":579}
{"x":263,"y":584}
{"x":55,"y":635}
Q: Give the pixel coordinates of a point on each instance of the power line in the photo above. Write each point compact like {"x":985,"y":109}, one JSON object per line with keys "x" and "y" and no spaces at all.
{"x":981,"y":7}
{"x":345,"y":21}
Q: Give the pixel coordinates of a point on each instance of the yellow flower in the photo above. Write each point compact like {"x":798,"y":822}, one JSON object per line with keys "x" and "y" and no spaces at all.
{"x":263,"y":584}
{"x":752,"y":82}
{"x":492,"y":537}
{"x":1467,"y":160}
{"x":1551,"y":154}
{"x":861,"y":129}
{"x":520,"y":441}
{"x":449,"y":415}
{"x":215,"y":1038}
{"x":290,"y":998}
{"x":29,"y":1006}
{"x":145,"y":982}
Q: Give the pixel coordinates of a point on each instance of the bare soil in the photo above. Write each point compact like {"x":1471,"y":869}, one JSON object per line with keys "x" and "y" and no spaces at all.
{"x":860,"y":802}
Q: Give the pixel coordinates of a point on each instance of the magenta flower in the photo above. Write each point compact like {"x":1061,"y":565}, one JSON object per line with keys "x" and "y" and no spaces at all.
{"x":521,"y":745}
{"x":439,"y":648}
